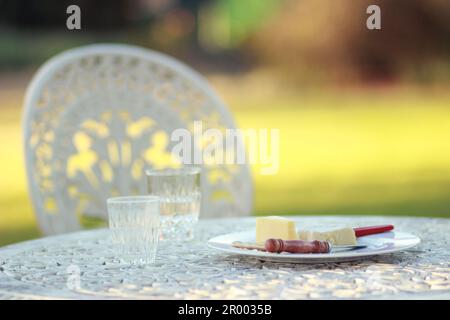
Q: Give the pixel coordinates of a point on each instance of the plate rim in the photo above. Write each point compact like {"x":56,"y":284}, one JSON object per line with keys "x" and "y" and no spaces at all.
{"x":306,"y":256}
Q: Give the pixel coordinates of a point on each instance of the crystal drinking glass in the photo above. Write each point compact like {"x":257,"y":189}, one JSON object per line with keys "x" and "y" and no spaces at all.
{"x":179,"y":193}
{"x":134,"y":224}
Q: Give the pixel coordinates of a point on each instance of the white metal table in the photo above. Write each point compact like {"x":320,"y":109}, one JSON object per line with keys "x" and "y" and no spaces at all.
{"x":80,"y":266}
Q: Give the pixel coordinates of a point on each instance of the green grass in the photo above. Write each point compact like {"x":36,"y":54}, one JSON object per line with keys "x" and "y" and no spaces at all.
{"x":386,"y":159}
{"x":362,"y":152}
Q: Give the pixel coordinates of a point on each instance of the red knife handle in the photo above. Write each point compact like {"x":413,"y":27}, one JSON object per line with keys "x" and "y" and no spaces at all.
{"x":297,"y":246}
{"x":365,"y":231}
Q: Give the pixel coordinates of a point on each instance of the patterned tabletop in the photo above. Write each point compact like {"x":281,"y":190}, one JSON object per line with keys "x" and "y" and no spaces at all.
{"x":79,"y":266}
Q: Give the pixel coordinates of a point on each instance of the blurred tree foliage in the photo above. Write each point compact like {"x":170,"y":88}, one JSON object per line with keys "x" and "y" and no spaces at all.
{"x":306,"y":39}
{"x":226,"y":24}
{"x":329,"y":39}
{"x":50,"y":14}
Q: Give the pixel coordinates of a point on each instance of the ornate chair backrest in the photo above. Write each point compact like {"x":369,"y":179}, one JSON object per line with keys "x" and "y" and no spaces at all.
{"x":97,"y":116}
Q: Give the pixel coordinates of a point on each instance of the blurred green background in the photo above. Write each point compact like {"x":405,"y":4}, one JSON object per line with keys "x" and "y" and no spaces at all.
{"x":364,"y":115}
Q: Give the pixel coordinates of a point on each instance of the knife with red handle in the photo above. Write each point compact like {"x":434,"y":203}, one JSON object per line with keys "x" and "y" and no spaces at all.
{"x":315,"y":246}
{"x":365,"y":231}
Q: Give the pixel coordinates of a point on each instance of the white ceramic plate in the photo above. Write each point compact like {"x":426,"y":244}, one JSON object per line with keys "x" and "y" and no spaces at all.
{"x":377,"y":244}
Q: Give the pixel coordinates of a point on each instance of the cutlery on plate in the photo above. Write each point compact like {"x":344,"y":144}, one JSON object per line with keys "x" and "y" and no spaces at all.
{"x":295,"y":246}
{"x":301,"y":246}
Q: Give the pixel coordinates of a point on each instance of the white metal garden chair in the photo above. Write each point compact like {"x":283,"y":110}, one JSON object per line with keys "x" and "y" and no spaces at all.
{"x":95,"y":117}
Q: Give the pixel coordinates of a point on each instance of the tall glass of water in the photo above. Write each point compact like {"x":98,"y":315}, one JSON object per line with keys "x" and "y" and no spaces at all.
{"x":179,"y":193}
{"x":134,"y":224}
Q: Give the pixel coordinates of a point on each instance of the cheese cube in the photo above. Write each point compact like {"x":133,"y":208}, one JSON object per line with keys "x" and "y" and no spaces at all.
{"x":339,"y":237}
{"x":275,"y":227}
